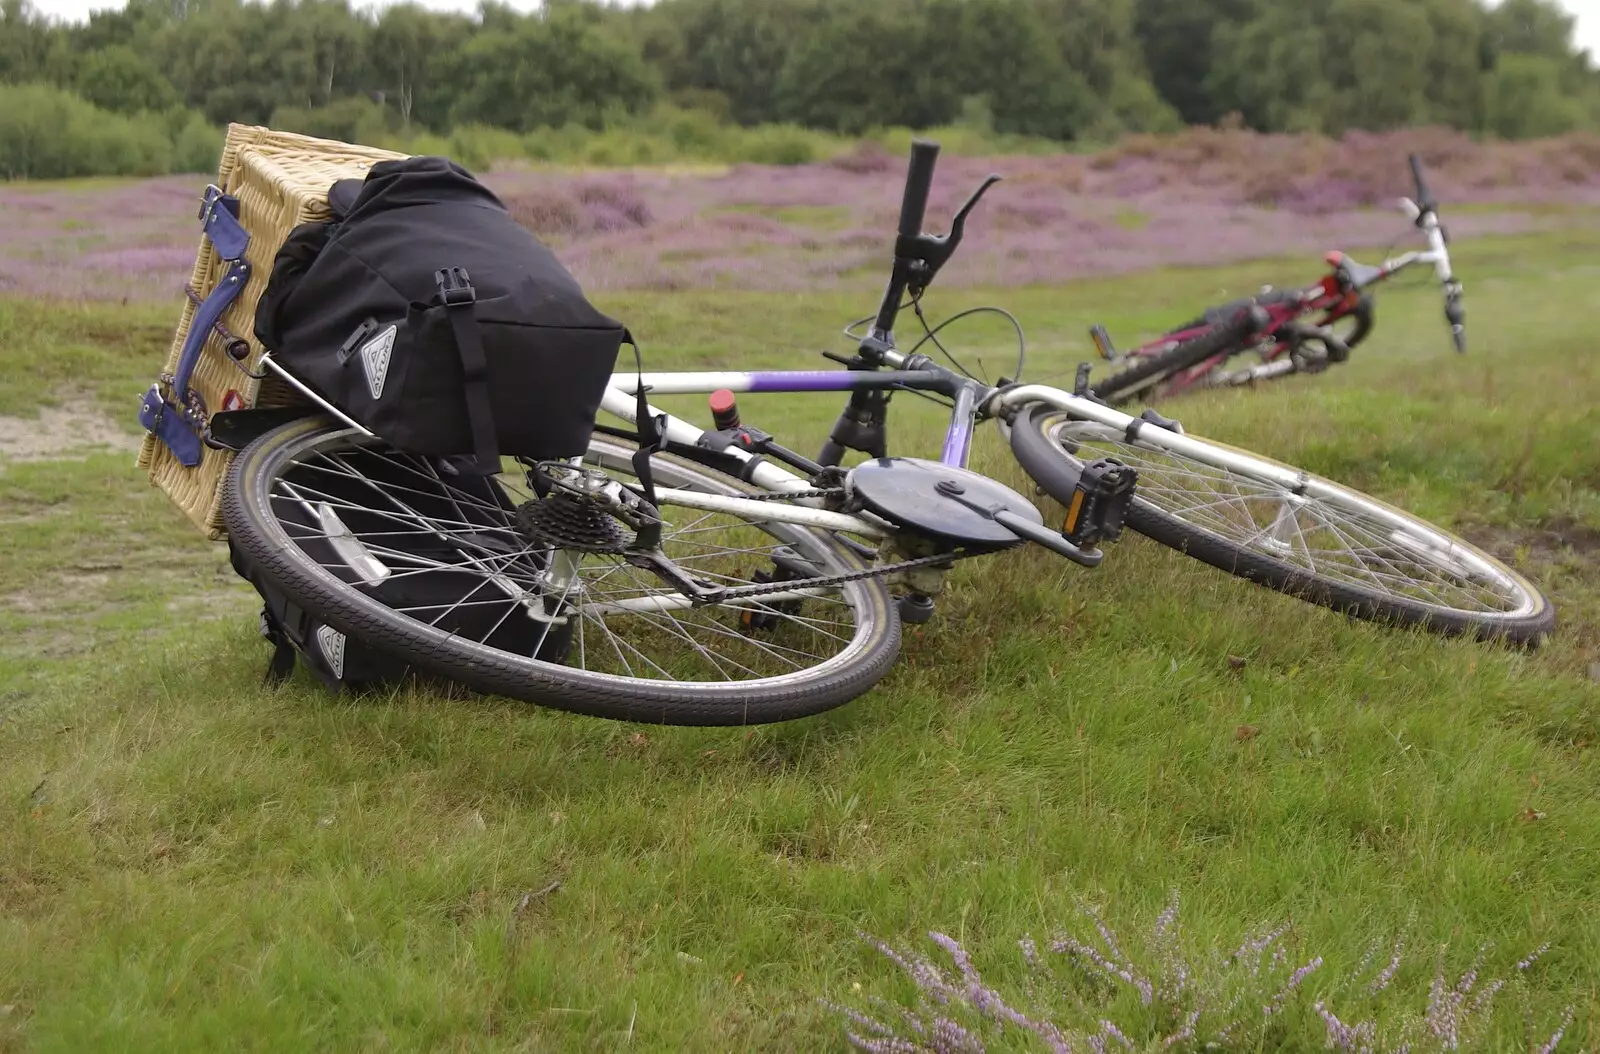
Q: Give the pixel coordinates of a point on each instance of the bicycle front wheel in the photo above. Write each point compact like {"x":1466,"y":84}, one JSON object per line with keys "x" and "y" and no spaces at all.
{"x":1289,"y":530}
{"x":349,"y":528}
{"x":1146,"y":378}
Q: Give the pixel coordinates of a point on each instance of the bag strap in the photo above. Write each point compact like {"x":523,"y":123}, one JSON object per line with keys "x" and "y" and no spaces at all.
{"x":219,"y":219}
{"x":455,"y":292}
{"x":281,"y":665}
{"x":652,"y":429}
{"x":175,"y":416}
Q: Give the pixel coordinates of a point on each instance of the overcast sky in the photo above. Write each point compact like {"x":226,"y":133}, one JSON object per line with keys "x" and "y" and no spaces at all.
{"x":1588,"y":12}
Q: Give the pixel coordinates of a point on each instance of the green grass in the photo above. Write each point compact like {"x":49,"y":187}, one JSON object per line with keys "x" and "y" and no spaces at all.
{"x":816,"y":217}
{"x":191,"y":861}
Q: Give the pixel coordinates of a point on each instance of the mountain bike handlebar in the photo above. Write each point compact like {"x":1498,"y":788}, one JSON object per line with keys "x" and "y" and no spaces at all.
{"x":1425,"y":200}
{"x":1426,"y":217}
{"x":917,"y":256}
{"x":919,"y":181}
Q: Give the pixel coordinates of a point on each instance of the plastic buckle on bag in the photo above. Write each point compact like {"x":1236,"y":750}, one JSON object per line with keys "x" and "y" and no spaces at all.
{"x":454,"y":287}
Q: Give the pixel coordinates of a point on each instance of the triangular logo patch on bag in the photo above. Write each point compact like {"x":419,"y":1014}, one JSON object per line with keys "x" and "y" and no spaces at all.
{"x":375,"y":360}
{"x":331,"y":641}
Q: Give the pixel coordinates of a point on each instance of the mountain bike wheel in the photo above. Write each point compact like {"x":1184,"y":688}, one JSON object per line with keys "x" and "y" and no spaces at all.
{"x":1356,"y":326}
{"x":335,"y":519}
{"x":1149,"y":373}
{"x":1289,"y":530}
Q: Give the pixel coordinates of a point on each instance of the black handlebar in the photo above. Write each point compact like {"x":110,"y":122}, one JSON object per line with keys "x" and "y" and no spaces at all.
{"x":1425,"y":199}
{"x":919,"y":179}
{"x":918,"y":256}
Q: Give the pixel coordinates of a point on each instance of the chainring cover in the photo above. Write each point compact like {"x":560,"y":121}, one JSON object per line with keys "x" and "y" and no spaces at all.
{"x":938,"y":501}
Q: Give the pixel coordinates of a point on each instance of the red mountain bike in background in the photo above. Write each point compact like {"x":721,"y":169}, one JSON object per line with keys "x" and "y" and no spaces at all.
{"x":1302,"y":331}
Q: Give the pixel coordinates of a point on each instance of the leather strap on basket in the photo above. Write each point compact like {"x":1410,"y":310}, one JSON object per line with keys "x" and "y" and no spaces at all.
{"x":455,"y":292}
{"x":170,"y":410}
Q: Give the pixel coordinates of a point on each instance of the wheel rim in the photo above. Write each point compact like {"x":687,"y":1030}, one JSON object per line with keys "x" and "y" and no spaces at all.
{"x":1336,"y":535}
{"x":367,"y":518}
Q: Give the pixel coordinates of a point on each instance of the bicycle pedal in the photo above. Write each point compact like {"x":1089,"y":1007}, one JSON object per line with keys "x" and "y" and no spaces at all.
{"x":1102,"y":343}
{"x":1080,"y":383}
{"x":1099,"y":504}
{"x":788,"y":567}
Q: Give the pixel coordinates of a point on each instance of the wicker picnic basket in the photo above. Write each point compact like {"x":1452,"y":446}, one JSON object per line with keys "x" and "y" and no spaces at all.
{"x":281,"y":181}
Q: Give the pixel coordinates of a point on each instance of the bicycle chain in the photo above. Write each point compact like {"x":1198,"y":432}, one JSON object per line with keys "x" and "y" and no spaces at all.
{"x":767,"y":588}
{"x":791,"y":495}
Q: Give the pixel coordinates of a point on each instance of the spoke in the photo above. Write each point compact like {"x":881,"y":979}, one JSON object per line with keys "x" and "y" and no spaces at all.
{"x":619,"y":643}
{"x":409,"y":608}
{"x":673,"y":626}
{"x":1328,"y":538}
{"x":389,"y":490}
{"x":431,"y":476}
{"x":583,"y":655}
{"x":297,"y":490}
{"x":404,"y":512}
{"x":767,"y":646}
{"x":467,"y":596}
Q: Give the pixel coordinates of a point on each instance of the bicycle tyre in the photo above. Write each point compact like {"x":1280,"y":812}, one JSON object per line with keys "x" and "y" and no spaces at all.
{"x":1036,"y":442}
{"x":1364,"y":314}
{"x":1126,"y":384}
{"x":248,"y":498}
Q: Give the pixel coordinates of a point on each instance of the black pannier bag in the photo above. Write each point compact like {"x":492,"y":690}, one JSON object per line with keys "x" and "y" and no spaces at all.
{"x":427,"y":314}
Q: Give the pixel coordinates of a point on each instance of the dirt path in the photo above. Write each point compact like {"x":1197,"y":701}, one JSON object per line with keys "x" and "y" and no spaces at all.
{"x":75,"y":427}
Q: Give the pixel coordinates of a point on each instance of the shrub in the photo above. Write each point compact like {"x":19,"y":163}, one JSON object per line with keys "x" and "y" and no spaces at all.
{"x":121,"y":80}
{"x":351,"y":120}
{"x":777,"y":144}
{"x":555,"y":144}
{"x":620,"y":148}
{"x":867,"y":157}
{"x":547,"y":212}
{"x":695,"y":132}
{"x":478,"y":147}
{"x":614,"y":206}
{"x":46,"y":133}
{"x":590,"y":207}
{"x":196,"y":145}
{"x":1525,"y":99}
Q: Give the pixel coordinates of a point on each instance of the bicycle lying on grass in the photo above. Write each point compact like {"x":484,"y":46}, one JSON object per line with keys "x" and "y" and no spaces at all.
{"x":687,"y":576}
{"x":1290,"y":340}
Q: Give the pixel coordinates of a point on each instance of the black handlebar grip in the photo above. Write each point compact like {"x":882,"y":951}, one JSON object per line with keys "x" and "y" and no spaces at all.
{"x":1425,"y":200}
{"x":919,"y":178}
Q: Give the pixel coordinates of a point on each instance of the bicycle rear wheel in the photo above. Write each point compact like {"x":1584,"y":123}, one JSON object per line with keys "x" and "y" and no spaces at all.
{"x":1289,"y":530}
{"x":335,"y":519}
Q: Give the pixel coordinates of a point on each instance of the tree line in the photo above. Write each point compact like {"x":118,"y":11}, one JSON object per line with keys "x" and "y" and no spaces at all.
{"x":1065,"y":70}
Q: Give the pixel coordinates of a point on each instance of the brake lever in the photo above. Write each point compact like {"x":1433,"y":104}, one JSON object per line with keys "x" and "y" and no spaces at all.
{"x":934,"y":251}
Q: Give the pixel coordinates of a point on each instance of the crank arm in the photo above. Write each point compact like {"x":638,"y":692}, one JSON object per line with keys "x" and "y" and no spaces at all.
{"x":1039,"y":533}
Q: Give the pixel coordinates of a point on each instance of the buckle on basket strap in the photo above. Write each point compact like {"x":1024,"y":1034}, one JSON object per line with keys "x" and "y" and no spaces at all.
{"x":219,"y":218}
{"x":454,"y":287}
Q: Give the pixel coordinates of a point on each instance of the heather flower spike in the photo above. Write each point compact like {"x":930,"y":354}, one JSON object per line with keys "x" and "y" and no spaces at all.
{"x":1223,"y":1002}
